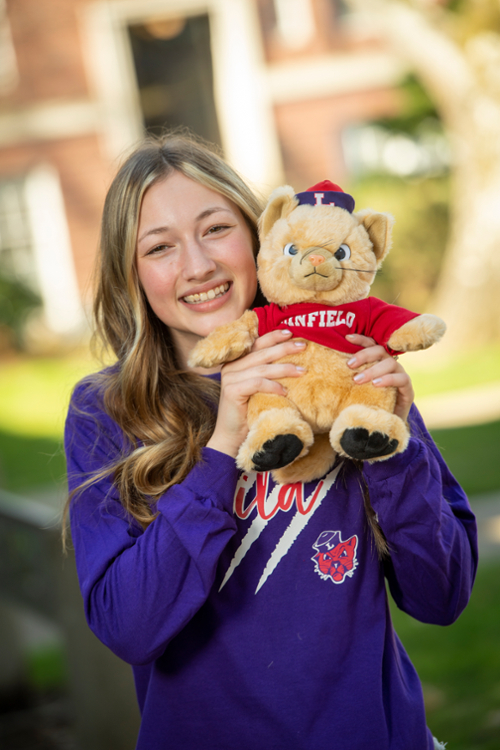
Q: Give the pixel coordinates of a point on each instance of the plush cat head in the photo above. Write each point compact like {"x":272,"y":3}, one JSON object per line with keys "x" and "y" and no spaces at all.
{"x":315,"y":249}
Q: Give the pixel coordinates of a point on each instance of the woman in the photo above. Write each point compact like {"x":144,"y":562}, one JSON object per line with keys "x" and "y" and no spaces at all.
{"x":254,"y":616}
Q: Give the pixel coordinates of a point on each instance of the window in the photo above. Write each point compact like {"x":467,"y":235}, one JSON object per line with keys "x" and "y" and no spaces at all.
{"x":16,"y":245}
{"x":173,"y":64}
{"x":35,"y":247}
{"x":295,"y":22}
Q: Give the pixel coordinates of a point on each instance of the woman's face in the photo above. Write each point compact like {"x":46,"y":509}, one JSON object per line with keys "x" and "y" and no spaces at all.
{"x":194,"y":259}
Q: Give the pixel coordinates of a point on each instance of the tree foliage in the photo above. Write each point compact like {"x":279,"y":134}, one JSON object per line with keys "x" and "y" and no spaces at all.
{"x":454,"y":50}
{"x":16,"y":302}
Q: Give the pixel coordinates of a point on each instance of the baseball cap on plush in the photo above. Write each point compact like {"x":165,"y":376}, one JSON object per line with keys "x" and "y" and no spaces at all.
{"x":326,"y":193}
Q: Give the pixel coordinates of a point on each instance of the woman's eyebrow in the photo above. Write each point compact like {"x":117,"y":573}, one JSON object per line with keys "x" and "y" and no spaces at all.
{"x":206,"y":212}
{"x":212,"y":210}
{"x":155,"y":230}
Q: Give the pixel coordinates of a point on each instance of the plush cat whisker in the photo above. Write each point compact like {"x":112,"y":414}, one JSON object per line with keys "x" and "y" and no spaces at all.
{"x":358,"y":270}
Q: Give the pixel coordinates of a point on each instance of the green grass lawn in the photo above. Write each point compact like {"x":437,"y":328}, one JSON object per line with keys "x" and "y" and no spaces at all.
{"x":30,"y":462}
{"x":460,"y":667}
{"x":433,"y":373}
{"x":34,"y":397}
{"x":34,"y":393}
{"x":473,"y":455}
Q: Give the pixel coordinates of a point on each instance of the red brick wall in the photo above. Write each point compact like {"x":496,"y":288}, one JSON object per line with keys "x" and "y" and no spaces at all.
{"x":84,"y":177}
{"x":310,"y":133}
{"x":330,"y":36}
{"x":46,"y":40}
{"x":49,"y":58}
{"x":51,"y":68}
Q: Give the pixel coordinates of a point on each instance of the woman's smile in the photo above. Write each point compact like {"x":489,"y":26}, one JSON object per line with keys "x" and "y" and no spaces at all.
{"x":213,"y":293}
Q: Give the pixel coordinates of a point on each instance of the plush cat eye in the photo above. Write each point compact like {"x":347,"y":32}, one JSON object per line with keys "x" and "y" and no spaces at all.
{"x":343,"y":253}
{"x":290,"y":249}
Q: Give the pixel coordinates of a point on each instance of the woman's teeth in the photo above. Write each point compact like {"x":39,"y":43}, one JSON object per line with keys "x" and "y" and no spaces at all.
{"x":218,"y":291}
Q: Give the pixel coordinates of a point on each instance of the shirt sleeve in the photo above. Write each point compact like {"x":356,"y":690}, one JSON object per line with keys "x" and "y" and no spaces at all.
{"x":141,"y":587}
{"x":430,"y":529}
{"x":265,"y":317}
{"x":384,"y":319}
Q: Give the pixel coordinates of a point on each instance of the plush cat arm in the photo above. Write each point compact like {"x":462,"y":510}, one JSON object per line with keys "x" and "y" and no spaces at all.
{"x":227,"y":342}
{"x":419,"y":333}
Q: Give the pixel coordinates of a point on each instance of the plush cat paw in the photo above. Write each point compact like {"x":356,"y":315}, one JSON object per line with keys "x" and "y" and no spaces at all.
{"x":368,"y":433}
{"x":226,"y":343}
{"x":277,"y":437}
{"x":419,"y":333}
{"x":278,"y":452}
{"x":360,"y":444}
{"x":314,"y":465}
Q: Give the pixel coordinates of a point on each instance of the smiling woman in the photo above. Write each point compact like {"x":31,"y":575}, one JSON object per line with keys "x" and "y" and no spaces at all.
{"x":195,"y":259}
{"x":177,"y":222}
{"x":248,"y":609}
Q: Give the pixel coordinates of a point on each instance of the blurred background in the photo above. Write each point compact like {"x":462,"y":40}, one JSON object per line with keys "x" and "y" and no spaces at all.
{"x":398,"y":101}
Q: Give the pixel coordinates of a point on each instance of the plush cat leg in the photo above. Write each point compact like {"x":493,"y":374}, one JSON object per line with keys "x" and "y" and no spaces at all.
{"x":314,"y":465}
{"x":227,"y":342}
{"x":278,"y":434}
{"x":368,"y":433}
{"x":366,"y":427}
{"x":416,"y":334}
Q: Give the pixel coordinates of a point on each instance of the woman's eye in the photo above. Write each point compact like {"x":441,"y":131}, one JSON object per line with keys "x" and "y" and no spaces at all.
{"x":343,"y":253}
{"x":158,"y":249}
{"x":290,"y":249}
{"x":217,"y":228}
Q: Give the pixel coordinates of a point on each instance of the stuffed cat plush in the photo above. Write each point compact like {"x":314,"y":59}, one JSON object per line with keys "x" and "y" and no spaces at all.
{"x":316,"y":264}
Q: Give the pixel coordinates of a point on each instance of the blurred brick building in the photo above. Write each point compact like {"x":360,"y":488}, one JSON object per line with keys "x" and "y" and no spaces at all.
{"x":277,"y":83}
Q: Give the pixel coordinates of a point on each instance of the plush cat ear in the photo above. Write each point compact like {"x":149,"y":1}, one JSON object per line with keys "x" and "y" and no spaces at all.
{"x":281,"y":203}
{"x":379,"y":228}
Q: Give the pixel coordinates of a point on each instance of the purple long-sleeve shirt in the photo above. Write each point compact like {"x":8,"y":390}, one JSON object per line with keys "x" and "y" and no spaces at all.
{"x":256,"y":616}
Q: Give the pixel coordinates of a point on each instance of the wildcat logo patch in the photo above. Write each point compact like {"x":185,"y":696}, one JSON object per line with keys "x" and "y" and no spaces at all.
{"x":334,"y":558}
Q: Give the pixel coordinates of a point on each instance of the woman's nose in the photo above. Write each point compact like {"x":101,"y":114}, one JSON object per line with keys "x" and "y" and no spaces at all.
{"x":197,"y":261}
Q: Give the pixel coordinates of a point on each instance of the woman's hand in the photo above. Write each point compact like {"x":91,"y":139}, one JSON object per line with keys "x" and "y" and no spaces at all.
{"x":385,"y":371}
{"x":256,"y":372}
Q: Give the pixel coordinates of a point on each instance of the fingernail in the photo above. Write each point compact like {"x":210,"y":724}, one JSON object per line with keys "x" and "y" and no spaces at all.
{"x":299,"y":368}
{"x":376,"y":381}
{"x":285,"y":332}
{"x":359,"y":377}
{"x":300,"y":343}
{"x":352,"y":361}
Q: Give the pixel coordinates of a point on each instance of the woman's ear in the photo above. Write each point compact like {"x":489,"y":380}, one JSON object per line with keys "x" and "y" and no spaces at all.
{"x":379,"y":228}
{"x":281,"y":203}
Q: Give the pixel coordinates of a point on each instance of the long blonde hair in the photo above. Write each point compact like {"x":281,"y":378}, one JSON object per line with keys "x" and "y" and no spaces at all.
{"x":167,"y":414}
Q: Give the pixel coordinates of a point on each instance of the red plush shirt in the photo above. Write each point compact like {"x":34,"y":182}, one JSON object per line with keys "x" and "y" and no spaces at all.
{"x":328,"y":325}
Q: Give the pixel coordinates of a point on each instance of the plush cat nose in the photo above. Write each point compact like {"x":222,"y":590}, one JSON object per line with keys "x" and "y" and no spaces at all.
{"x":315,"y":260}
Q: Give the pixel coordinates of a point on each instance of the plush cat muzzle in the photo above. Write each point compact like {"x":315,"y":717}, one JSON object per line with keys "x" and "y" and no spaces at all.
{"x":316,"y":269}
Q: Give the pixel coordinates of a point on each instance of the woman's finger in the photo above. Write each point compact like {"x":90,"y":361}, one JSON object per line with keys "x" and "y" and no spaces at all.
{"x":378,"y":369}
{"x":272,"y":338}
{"x":266,"y":355}
{"x":264,"y":371}
{"x":389,"y":373}
{"x":374,"y":353}
{"x":359,"y":340}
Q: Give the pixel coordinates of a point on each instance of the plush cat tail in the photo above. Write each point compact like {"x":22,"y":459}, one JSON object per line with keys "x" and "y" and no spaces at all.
{"x":281,"y":203}
{"x":378,"y":535}
{"x":379,"y":227}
